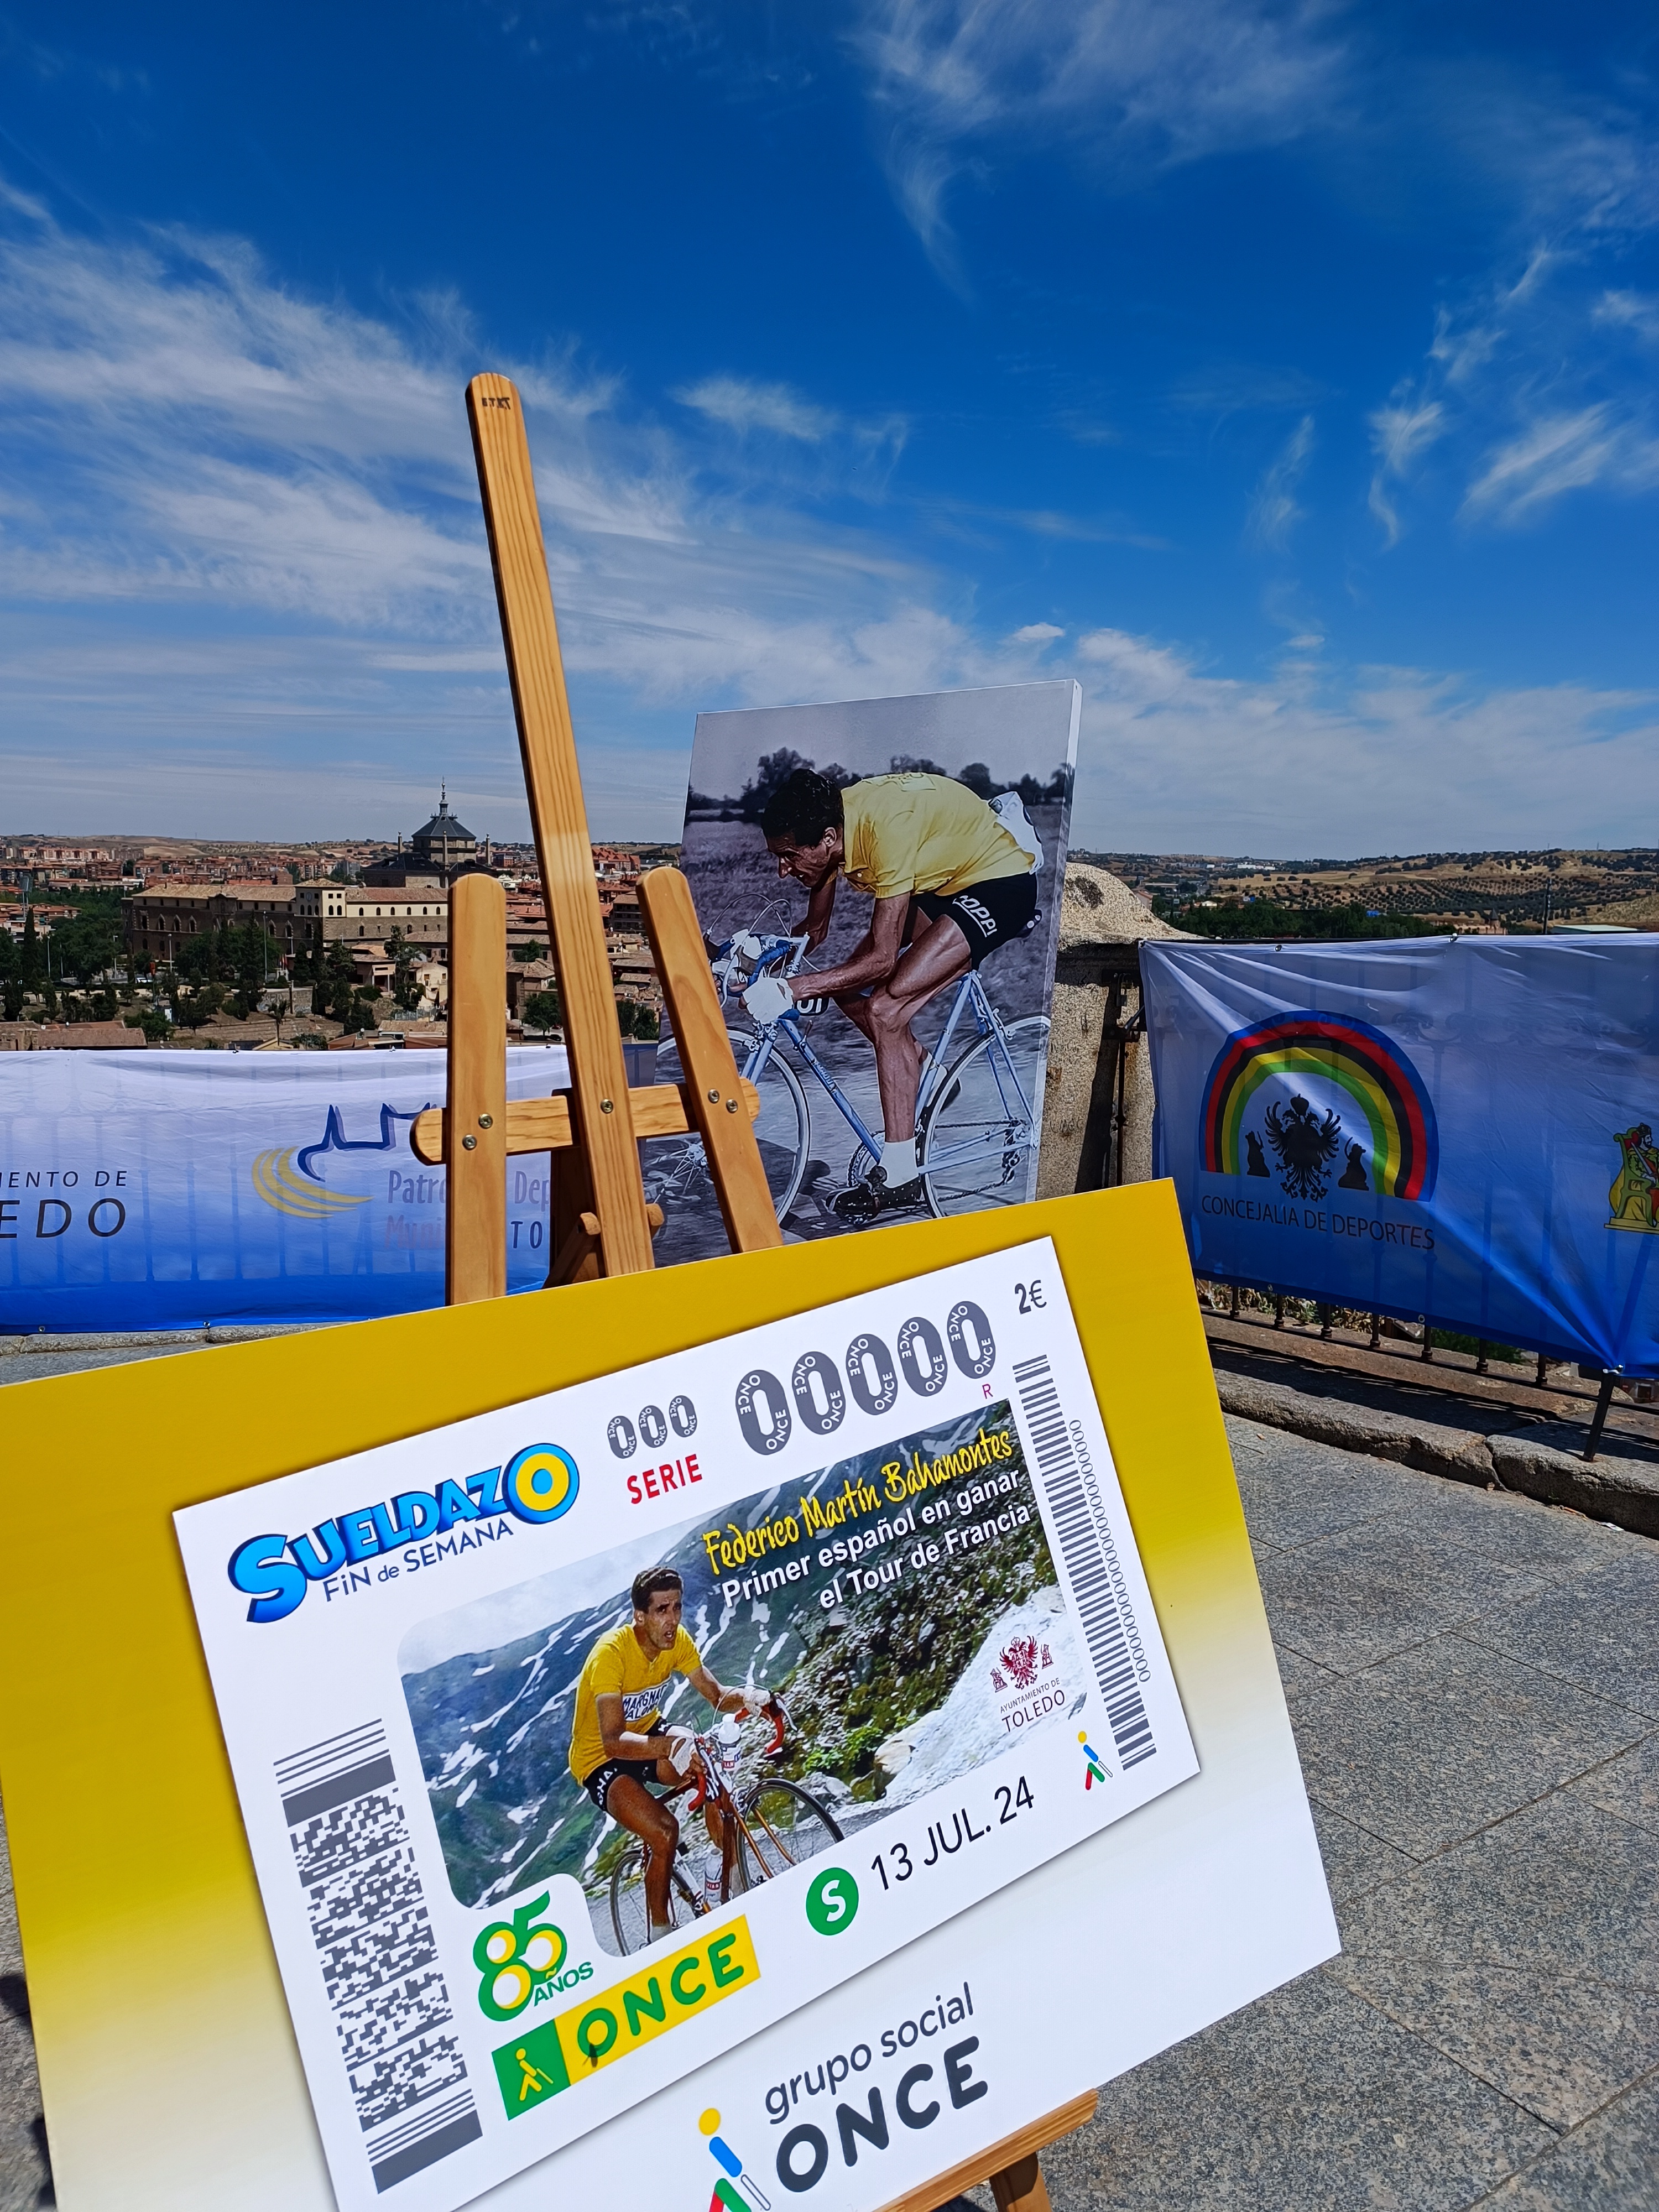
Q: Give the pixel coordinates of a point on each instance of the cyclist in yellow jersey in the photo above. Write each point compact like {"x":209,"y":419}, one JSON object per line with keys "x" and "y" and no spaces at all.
{"x":617,"y":1745}
{"x":951,"y":883}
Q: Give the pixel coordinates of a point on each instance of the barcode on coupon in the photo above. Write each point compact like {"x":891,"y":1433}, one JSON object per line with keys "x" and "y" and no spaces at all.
{"x":369,"y":1921}
{"x":1085,"y":1561}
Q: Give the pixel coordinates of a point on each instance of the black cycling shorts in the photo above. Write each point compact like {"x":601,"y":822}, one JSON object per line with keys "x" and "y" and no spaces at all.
{"x":598,"y":1783}
{"x":988,"y":914}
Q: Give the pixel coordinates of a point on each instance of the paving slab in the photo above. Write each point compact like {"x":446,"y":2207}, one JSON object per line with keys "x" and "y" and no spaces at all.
{"x":1600,"y":1630}
{"x":1528,"y":1955}
{"x":1608,"y":2165}
{"x":1514,"y":1530}
{"x":1298,"y":1673}
{"x":1627,"y":1786}
{"x":1355,"y":1860}
{"x":1306,"y":1490}
{"x":1310,"y":2099}
{"x":1436,"y":1744}
{"x":1356,"y":1598}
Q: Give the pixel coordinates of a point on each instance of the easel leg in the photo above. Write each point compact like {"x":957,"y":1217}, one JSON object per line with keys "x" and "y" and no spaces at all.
{"x":1020,"y":2187}
{"x":713,"y":1101}
{"x":571,"y":1197}
{"x":474,"y":1146}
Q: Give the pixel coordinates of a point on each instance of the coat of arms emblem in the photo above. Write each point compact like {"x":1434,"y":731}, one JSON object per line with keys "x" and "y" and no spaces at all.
{"x":1634,"y":1196}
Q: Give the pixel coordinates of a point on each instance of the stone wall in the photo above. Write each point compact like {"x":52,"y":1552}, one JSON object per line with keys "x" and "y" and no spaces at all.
{"x":1098,"y":1108}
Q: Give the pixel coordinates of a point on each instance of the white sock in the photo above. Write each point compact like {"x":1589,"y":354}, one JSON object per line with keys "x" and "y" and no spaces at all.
{"x":711,"y":1880}
{"x":898,"y":1162}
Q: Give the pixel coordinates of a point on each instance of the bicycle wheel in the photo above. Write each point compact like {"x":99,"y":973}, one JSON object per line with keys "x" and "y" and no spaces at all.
{"x":979,"y":1141}
{"x":629,"y":1915}
{"x":676,"y":1170}
{"x":782,"y":1827}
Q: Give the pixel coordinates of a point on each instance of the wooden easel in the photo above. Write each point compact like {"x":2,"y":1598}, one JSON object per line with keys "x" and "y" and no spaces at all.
{"x":600,"y":1221}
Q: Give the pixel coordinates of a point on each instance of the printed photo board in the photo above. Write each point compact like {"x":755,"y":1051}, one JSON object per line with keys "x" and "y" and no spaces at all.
{"x":964,"y":797}
{"x":959,"y":1498}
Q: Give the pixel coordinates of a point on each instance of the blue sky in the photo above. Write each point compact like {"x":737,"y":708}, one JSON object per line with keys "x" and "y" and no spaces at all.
{"x":1284,"y":372}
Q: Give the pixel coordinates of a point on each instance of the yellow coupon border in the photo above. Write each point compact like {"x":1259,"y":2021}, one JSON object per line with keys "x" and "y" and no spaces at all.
{"x":167,"y":2063}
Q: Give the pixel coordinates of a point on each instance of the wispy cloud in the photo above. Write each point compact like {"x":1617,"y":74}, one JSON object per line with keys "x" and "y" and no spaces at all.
{"x":1131,"y":80}
{"x":743,"y":406}
{"x":1273,"y":510}
{"x":1559,"y":453}
{"x":1401,"y":433}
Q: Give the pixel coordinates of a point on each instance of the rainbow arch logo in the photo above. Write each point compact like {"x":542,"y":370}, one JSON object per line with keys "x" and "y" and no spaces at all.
{"x":1364,"y":1065}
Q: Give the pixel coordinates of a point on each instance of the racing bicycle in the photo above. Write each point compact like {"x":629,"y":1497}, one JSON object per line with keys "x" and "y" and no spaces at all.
{"x":770,"y":1827}
{"x":979,"y":1116}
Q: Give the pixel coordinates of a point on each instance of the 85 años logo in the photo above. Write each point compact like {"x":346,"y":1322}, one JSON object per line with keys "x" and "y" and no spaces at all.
{"x":520,"y":1959}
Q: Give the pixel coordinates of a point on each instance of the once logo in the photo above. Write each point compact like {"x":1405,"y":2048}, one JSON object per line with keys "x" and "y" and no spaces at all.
{"x":606,"y":2026}
{"x":832,"y":1902}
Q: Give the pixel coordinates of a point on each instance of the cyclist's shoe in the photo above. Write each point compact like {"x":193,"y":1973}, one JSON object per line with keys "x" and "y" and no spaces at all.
{"x":867,"y":1200}
{"x":862,"y":1202}
{"x":902,"y":1197}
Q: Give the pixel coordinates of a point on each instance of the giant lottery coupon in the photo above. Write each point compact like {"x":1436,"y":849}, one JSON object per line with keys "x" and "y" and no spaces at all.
{"x":863,"y":1581}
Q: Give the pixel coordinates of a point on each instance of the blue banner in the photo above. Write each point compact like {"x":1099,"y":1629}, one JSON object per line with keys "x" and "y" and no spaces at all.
{"x":147,"y":1190}
{"x":1456,"y":1129}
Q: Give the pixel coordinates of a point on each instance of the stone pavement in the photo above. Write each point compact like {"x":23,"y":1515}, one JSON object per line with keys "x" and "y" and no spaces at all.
{"x":1474,"y":1679}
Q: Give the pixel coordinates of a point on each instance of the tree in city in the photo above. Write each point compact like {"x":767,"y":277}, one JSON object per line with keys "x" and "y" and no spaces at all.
{"x":245,"y":953}
{"x":405,"y":959}
{"x":645,"y":1026}
{"x":195,"y":1009}
{"x":32,"y":965}
{"x":336,"y":981}
{"x":90,"y":941}
{"x":543,"y":1012}
{"x":152,"y":1023}
{"x":359,"y":1016}
{"x":11,"y":976}
{"x":195,"y":958}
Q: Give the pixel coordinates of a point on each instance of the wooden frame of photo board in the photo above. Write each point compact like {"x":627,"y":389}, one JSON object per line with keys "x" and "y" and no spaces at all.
{"x":601,"y":1223}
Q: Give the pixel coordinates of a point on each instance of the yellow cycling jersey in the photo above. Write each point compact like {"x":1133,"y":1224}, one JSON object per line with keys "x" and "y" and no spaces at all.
{"x":924,"y":833}
{"x":617,"y":1667}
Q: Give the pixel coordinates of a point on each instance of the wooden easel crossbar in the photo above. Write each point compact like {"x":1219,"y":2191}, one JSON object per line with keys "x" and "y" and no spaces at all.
{"x":601,"y":1223}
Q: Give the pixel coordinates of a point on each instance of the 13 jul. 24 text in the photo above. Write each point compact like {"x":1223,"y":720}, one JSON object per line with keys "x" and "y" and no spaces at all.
{"x":896,"y":1862}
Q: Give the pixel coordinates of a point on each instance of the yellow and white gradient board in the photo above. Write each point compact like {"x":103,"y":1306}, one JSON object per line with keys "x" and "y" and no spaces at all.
{"x":168,"y":2061}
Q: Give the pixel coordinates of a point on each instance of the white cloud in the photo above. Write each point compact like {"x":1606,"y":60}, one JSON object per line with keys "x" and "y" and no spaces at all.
{"x":1559,"y":453}
{"x":195,"y":449}
{"x":1130,"y":80}
{"x":1401,"y":432}
{"x":1274,"y":510}
{"x":1383,"y":760}
{"x":744,"y":406}
{"x":1631,"y":311}
{"x":250,"y":596}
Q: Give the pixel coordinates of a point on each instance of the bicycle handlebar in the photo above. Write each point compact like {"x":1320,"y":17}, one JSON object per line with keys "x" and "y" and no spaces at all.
{"x":760,"y":955}
{"x":709,"y":1751}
